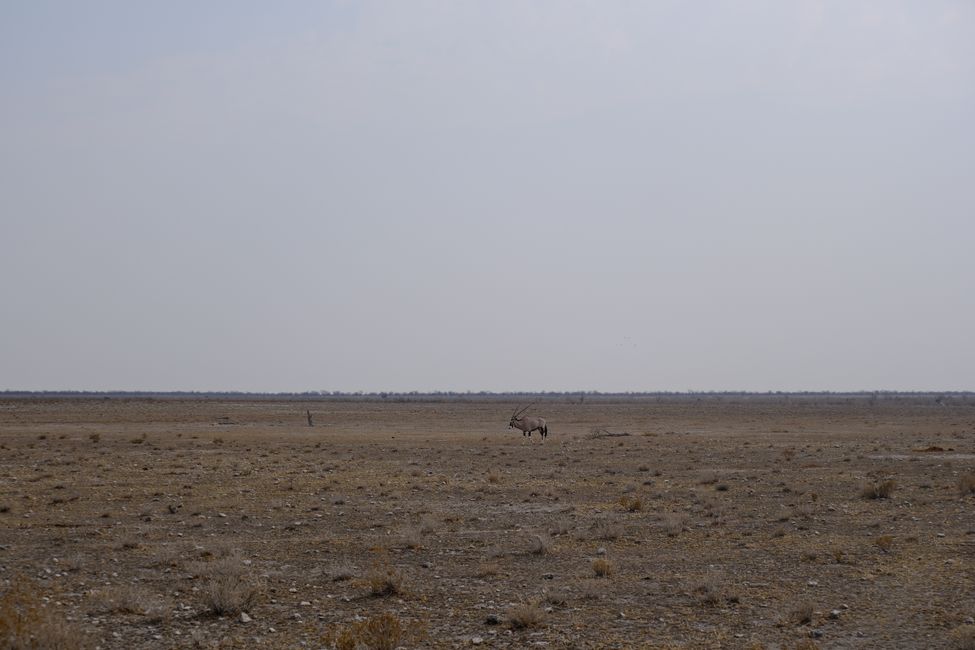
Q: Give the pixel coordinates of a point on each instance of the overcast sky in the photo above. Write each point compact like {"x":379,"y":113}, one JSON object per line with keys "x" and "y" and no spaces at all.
{"x":488,"y":195}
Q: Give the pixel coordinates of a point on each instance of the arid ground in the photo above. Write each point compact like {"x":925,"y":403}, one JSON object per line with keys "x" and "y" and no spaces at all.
{"x":719,"y":522}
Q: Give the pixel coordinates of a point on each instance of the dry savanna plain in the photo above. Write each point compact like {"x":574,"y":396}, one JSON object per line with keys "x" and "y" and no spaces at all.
{"x":771,"y":521}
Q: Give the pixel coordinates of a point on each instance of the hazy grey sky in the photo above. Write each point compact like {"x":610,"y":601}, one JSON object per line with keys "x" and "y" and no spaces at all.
{"x":764,"y":195}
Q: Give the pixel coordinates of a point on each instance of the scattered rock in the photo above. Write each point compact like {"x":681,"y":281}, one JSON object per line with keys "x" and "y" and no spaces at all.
{"x":492,"y":620}
{"x":834,"y":614}
{"x":244,"y":618}
{"x":601,"y":550}
{"x":477,"y":640}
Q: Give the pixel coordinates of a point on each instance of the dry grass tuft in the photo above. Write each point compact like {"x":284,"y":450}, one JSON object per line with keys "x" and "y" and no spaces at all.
{"x":230,"y":594}
{"x":229,"y":589}
{"x":560,"y":527}
{"x":384,"y":580}
{"x":428,"y":524}
{"x":494,"y":476}
{"x":710,"y":592}
{"x":884,"y":543}
{"x":881,"y":490}
{"x":525,"y":615}
{"x":541,"y":544}
{"x":602,"y":567}
{"x":963,"y":638}
{"x":603,"y":529}
{"x":799,"y":615}
{"x":341,"y":573}
{"x":132,"y":599}
{"x":806,"y":644}
{"x":26,"y":624}
{"x":631,"y":504}
{"x":381,"y":632}
{"x":411,"y":538}
{"x":487,"y":569}
{"x":674,"y":524}
{"x":966,"y":484}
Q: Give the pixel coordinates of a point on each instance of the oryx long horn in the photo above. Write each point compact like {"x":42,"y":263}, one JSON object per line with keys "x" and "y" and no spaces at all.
{"x":517,"y":413}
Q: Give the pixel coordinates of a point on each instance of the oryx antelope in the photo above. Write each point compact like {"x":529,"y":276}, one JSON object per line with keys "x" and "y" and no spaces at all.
{"x":527,"y":424}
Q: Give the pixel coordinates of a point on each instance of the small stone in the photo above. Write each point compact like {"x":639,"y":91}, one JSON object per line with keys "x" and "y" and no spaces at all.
{"x":834,"y":614}
{"x":492,"y":620}
{"x":941,"y":534}
{"x":812,"y":583}
{"x":816,"y":634}
{"x":549,"y":576}
{"x":244,"y":618}
{"x":601,"y":550}
{"x":969,"y":620}
{"x":477,"y":640}
{"x":305,"y":603}
{"x":293,"y":590}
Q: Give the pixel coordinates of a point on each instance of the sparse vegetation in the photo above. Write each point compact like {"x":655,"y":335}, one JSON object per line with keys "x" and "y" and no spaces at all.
{"x":384,"y":579}
{"x":230,"y":594}
{"x":540,"y":544}
{"x":963,"y":637}
{"x":380,"y":632}
{"x":131,"y":599}
{"x":966,"y":484}
{"x":341,"y":573}
{"x":881,"y":490}
{"x":631,"y":504}
{"x":602,"y":567}
{"x":674,"y":524}
{"x":525,"y":615}
{"x":28,"y":623}
{"x":801,"y":614}
{"x":488,"y":569}
{"x":282,"y":524}
{"x":606,"y":530}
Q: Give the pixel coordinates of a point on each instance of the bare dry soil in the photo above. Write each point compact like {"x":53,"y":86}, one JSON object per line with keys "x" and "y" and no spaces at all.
{"x":750,"y":522}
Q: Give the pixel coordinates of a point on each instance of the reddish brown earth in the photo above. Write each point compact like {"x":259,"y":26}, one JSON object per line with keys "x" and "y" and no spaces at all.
{"x":724,"y":522}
